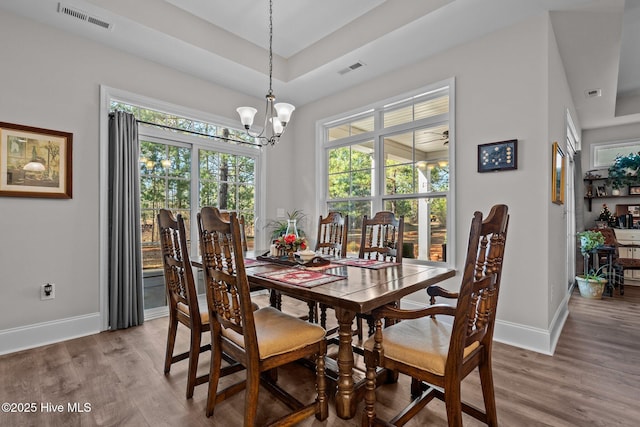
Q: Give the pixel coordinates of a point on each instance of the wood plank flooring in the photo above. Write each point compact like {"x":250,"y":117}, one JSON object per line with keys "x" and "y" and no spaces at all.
{"x":592,"y":380}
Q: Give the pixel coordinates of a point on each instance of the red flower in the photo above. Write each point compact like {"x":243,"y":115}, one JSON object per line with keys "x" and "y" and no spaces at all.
{"x":289,"y":239}
{"x":303,"y":246}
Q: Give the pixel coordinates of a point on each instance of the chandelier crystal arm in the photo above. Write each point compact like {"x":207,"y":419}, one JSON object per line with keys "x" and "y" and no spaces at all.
{"x":277,"y":116}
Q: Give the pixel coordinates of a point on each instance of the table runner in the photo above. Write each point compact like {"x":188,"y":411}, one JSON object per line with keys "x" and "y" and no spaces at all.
{"x":299,"y":277}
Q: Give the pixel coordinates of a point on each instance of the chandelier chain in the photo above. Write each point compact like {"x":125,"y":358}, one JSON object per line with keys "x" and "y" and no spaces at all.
{"x":270,"y":46}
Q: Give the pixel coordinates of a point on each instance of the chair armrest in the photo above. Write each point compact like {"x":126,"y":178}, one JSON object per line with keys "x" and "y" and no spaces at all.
{"x":394,"y":313}
{"x":437,"y":291}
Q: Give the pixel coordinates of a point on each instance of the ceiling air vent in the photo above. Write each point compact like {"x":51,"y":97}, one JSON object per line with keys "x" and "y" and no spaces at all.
{"x":593,"y":93}
{"x":351,"y":68}
{"x":83,"y":16}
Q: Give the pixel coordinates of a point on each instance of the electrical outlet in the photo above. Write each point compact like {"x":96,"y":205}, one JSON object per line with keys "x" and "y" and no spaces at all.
{"x":48,"y":291}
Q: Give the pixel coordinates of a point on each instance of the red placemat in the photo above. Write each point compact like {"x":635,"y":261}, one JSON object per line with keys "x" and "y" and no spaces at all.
{"x":250,"y":262}
{"x":298,"y":277}
{"x":373,"y":264}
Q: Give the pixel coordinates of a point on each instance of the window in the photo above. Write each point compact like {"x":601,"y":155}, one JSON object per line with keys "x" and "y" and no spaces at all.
{"x":394,"y":156}
{"x":182,"y":171}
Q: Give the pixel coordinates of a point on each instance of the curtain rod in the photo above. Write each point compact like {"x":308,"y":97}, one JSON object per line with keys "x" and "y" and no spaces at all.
{"x":198,"y":133}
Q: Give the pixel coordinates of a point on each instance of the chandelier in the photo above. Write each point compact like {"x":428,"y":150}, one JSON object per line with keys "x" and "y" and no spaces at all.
{"x":276,"y":115}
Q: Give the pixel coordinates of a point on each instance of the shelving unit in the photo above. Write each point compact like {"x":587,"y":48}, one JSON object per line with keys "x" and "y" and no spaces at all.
{"x":591,"y":191}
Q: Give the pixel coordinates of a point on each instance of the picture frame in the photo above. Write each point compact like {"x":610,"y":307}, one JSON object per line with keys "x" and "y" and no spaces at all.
{"x":35,"y":162}
{"x":498,"y":156}
{"x":601,"y":191}
{"x":634,"y":190}
{"x":557,"y":174}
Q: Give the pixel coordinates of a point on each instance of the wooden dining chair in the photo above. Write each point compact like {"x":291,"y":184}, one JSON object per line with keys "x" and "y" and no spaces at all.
{"x":260,"y":340}
{"x":331,"y":241}
{"x":381,"y":239}
{"x":182,"y":297}
{"x":439,"y":354}
{"x":226,"y":215}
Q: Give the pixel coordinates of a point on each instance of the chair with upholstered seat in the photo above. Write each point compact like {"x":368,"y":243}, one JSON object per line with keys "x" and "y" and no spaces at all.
{"x":438,"y":354}
{"x":182,"y":297}
{"x":261,"y":340}
{"x":331,"y":241}
{"x":381,"y":239}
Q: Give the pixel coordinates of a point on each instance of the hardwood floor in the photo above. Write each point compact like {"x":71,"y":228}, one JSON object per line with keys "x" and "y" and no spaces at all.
{"x":592,"y":380}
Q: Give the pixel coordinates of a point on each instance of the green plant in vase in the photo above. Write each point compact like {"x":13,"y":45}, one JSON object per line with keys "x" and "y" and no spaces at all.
{"x":624,"y":171}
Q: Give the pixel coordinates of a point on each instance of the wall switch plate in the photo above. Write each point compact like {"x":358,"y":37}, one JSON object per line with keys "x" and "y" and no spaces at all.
{"x":51,"y":293}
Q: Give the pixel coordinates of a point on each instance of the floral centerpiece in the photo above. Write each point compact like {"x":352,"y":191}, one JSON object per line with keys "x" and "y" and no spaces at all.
{"x":291,"y":243}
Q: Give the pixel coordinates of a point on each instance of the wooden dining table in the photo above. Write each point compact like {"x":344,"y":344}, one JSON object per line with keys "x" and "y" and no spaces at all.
{"x":354,"y":290}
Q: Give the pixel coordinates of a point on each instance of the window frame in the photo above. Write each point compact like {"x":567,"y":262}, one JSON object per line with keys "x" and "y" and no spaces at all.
{"x":378,"y":199}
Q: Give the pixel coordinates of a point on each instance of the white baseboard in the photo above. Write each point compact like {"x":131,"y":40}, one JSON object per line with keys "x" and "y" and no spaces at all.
{"x":39,"y":334}
{"x":526,"y":337}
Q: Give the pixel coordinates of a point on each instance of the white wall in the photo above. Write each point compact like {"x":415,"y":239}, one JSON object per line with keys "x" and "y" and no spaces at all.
{"x":559,"y":102}
{"x":502,"y":92}
{"x":50,"y":79}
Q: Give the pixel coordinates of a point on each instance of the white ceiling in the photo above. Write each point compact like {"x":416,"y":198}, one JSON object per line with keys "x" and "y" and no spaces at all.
{"x":224,"y":41}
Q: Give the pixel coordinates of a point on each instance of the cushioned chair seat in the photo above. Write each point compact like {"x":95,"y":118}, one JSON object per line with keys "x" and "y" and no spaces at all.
{"x":204,"y":313}
{"x":422,"y":343}
{"x":279,"y":333}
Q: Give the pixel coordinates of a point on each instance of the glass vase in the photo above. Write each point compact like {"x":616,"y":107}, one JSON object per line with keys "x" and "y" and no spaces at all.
{"x":292,"y":227}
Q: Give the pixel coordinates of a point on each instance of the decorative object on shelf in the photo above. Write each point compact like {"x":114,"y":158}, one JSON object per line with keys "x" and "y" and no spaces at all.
{"x":634,"y":190}
{"x":557,"y":174}
{"x":290,"y":243}
{"x":591,"y":175}
{"x":624,"y":171}
{"x":35,"y":162}
{"x":615,"y":191}
{"x":606,"y":217}
{"x":498,"y":156}
{"x":276,"y":115}
{"x":592,"y":282}
{"x":601,"y":191}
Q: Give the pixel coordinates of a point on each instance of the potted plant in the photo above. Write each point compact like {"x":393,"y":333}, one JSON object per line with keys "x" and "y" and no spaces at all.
{"x":280,"y":228}
{"x":624,"y":171}
{"x":591,"y":283}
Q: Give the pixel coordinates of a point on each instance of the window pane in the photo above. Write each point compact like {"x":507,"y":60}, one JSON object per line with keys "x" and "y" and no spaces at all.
{"x":356,"y":210}
{"x":339,"y":160}
{"x":432,"y":107}
{"x":425,"y":228}
{"x":357,"y":126}
{"x":399,"y":116}
{"x":400,"y":179}
{"x":362,"y":126}
{"x":178,"y":194}
{"x":152,"y":192}
{"x":339,"y":185}
{"x":361,"y":184}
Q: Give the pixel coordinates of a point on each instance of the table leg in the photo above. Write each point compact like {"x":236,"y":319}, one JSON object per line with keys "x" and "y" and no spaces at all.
{"x":345,"y":397}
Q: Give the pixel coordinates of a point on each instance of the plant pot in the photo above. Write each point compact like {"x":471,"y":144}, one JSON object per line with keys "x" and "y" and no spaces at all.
{"x":591,"y":288}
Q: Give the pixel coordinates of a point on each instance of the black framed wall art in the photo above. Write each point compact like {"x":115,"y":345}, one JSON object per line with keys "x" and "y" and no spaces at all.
{"x":498,"y":156}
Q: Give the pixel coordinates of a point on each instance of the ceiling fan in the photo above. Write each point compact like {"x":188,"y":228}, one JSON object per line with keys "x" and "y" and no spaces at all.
{"x":438,"y":136}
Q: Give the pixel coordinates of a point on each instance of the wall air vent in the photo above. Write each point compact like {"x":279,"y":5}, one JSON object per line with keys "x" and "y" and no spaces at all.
{"x":83,"y":16}
{"x":351,"y":68}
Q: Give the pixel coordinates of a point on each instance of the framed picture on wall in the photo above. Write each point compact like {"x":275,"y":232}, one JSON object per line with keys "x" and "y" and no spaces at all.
{"x":35,"y":162}
{"x":557,"y":174}
{"x":634,"y":190}
{"x":498,"y":156}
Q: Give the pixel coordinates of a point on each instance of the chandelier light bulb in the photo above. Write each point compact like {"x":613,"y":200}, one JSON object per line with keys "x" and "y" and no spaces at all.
{"x":246,"y":116}
{"x":284,"y":111}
